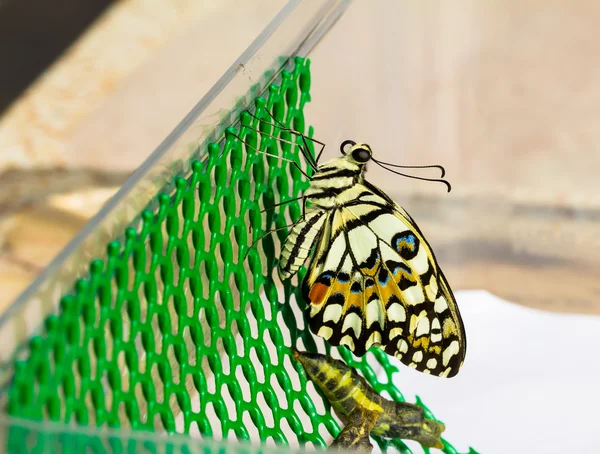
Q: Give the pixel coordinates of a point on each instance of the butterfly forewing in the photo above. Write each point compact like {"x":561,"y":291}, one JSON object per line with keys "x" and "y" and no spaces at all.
{"x":374,"y":280}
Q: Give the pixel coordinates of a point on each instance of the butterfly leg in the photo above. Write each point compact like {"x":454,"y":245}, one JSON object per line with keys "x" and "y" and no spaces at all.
{"x":291,"y":161}
{"x":283,"y":203}
{"x":298,"y":221}
{"x":305,"y":151}
{"x":304,"y":138}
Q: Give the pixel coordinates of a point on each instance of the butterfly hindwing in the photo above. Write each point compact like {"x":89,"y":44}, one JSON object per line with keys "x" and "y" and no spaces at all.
{"x":374,"y":280}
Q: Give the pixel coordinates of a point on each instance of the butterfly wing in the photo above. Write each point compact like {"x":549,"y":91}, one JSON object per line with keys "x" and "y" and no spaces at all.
{"x":374,"y":280}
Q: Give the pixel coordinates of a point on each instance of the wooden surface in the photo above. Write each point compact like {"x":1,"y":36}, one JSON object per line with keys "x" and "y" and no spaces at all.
{"x":504,"y":94}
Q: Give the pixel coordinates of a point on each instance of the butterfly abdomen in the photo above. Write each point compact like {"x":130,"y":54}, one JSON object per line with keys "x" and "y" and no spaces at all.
{"x":299,"y":243}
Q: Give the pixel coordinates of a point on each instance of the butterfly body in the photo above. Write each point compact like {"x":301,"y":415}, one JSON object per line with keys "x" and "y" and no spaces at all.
{"x":373,"y":278}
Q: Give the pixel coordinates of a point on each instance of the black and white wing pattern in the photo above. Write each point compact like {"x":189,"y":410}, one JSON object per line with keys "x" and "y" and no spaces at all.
{"x":374,"y":280}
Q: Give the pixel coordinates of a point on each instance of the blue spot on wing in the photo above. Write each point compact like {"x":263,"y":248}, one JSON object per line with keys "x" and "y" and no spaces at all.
{"x":407,"y":240}
{"x":325,"y":279}
{"x":343,"y":278}
{"x":406,"y":244}
{"x":395,"y":266}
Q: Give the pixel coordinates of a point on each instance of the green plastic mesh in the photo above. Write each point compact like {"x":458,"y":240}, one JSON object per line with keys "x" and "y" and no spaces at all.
{"x":174,"y":332}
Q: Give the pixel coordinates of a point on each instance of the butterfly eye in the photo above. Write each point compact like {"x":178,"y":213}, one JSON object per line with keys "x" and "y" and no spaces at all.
{"x":361,"y":155}
{"x":345,"y":143}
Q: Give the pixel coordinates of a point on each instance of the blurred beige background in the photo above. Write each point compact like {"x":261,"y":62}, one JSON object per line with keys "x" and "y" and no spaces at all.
{"x":503,"y":94}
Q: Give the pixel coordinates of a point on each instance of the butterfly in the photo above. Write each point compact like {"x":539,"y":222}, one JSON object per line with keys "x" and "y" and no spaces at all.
{"x":372,"y":278}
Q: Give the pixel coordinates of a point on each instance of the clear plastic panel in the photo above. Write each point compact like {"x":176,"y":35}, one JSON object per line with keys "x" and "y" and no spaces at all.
{"x":294,"y":31}
{"x":50,"y":438}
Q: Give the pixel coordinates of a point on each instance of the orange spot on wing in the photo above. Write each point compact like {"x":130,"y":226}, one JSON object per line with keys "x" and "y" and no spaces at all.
{"x":317,"y":293}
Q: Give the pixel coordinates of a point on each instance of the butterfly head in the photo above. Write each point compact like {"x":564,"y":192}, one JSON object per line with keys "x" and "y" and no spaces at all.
{"x":356,"y":156}
{"x":357,"y":153}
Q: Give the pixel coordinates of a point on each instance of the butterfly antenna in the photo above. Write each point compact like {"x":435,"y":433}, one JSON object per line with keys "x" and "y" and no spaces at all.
{"x":436,"y":180}
{"x":416,"y":167}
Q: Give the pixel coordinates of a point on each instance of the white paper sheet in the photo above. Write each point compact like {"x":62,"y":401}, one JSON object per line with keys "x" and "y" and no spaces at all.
{"x":530,"y":382}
